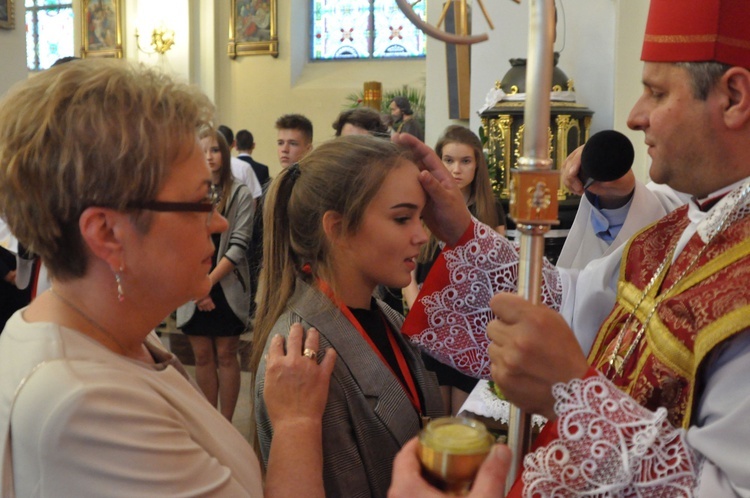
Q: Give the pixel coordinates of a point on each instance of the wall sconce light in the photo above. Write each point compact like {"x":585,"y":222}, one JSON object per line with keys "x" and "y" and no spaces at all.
{"x":162,"y":40}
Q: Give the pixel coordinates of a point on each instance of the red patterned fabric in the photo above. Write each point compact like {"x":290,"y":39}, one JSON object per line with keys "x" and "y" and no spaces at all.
{"x":708,"y":305}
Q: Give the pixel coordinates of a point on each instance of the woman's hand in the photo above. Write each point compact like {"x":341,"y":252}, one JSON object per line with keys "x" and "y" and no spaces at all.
{"x":295,"y":393}
{"x":408,"y":481}
{"x":296,"y":386}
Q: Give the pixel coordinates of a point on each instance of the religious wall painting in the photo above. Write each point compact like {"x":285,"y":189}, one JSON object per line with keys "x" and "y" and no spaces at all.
{"x":7,"y":16}
{"x":102,"y":28}
{"x":252,"y":28}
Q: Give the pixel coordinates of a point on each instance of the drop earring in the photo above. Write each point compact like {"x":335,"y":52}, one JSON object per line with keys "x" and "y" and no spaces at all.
{"x":118,"y":280}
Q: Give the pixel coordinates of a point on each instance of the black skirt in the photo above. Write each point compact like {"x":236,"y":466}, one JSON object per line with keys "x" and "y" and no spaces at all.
{"x":219,"y":322}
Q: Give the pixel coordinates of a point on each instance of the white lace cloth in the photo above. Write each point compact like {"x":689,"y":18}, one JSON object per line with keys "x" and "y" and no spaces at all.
{"x":610,"y":446}
{"x":734,"y":206}
{"x":496,"y":95}
{"x":482,"y":401}
{"x":458,"y":314}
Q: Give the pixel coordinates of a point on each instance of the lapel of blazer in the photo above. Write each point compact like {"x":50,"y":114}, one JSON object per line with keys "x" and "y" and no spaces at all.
{"x":374,"y":379}
{"x":425,"y":380}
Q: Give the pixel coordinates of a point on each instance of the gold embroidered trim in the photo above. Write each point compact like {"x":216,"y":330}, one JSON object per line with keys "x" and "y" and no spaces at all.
{"x":681,"y":38}
{"x":708,"y":338}
{"x":732,"y":42}
{"x":665,"y":346}
{"x":728,"y":257}
{"x":668,"y":349}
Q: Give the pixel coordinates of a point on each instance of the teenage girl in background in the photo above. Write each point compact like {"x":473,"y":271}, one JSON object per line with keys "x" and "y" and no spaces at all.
{"x":342,"y":221}
{"x":461,"y":152}
{"x":214,"y":322}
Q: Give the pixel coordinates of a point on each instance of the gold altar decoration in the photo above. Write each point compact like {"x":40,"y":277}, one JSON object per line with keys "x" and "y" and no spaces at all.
{"x":503,"y":127}
{"x":373,"y":95}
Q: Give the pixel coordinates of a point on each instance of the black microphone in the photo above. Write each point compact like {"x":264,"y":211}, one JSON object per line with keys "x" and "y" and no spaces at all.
{"x":607,"y":156}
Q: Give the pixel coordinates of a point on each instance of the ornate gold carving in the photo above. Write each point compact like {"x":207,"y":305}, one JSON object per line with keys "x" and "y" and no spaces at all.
{"x":504,"y":131}
{"x":539,"y":197}
{"x":498,"y":145}
{"x":513,"y":90}
{"x":518,"y":143}
{"x":565,"y":123}
{"x":556,"y":88}
{"x":532,"y":199}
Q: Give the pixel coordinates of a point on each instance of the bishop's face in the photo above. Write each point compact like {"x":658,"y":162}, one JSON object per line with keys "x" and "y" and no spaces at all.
{"x":682,"y":132}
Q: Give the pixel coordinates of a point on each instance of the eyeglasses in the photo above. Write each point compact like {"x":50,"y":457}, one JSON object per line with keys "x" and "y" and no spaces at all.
{"x":207,"y":205}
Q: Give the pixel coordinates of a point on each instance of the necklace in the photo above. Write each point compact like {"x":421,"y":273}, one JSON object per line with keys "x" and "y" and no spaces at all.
{"x":618,"y":362}
{"x":91,"y":321}
{"x":736,"y":209}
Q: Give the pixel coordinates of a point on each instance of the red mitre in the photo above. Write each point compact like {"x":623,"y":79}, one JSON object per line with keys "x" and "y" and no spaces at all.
{"x":698,"y":31}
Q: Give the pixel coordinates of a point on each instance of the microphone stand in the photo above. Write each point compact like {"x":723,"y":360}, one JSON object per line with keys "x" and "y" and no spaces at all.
{"x":533,"y":193}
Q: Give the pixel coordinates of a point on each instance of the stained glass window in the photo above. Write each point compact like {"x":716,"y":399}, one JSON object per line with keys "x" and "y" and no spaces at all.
{"x":364,"y":29}
{"x":49,"y":32}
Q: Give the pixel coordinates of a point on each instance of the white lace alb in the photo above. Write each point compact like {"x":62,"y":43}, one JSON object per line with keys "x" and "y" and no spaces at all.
{"x":610,"y":446}
{"x":458,"y":314}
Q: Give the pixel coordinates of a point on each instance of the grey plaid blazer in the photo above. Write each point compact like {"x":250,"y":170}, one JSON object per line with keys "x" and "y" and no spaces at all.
{"x":368,"y":417}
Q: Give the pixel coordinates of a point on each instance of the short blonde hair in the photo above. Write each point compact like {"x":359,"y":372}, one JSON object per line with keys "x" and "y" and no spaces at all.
{"x":91,"y":132}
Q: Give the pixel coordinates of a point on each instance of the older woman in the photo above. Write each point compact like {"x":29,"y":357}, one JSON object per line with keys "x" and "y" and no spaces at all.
{"x":102,"y":175}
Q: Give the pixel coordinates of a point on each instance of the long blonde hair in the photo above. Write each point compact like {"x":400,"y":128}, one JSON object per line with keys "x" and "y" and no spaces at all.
{"x":342,"y":175}
{"x":225,"y":172}
{"x":482,"y":202}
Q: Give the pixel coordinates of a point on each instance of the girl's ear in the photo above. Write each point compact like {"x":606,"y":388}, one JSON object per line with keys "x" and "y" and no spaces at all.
{"x":332,"y":222}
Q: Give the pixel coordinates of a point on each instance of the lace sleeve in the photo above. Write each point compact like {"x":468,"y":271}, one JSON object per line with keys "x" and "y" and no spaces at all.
{"x":450,"y":317}
{"x":609,"y":445}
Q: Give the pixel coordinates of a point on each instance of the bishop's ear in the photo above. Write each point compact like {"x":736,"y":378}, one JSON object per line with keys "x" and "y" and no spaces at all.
{"x":736,"y":82}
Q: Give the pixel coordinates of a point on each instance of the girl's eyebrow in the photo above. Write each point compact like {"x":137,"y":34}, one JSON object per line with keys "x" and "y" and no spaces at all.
{"x":407,"y":205}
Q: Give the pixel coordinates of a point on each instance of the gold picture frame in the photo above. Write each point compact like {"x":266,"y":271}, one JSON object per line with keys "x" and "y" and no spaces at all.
{"x":252,"y":28}
{"x":7,"y":15}
{"x":101,"y":27}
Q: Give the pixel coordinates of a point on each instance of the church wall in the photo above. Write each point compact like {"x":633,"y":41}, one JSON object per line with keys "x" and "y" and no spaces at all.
{"x":600,"y":43}
{"x":13,"y":51}
{"x":253,"y":91}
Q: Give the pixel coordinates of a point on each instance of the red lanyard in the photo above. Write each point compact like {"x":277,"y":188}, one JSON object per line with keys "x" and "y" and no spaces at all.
{"x":410,"y":389}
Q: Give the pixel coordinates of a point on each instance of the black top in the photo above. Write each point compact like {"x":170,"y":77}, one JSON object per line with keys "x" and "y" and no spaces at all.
{"x":374,"y":323}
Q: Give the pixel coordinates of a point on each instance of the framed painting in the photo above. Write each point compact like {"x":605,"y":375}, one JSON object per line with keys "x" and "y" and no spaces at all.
{"x":7,"y":16}
{"x":102,"y":28}
{"x":252,"y":28}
